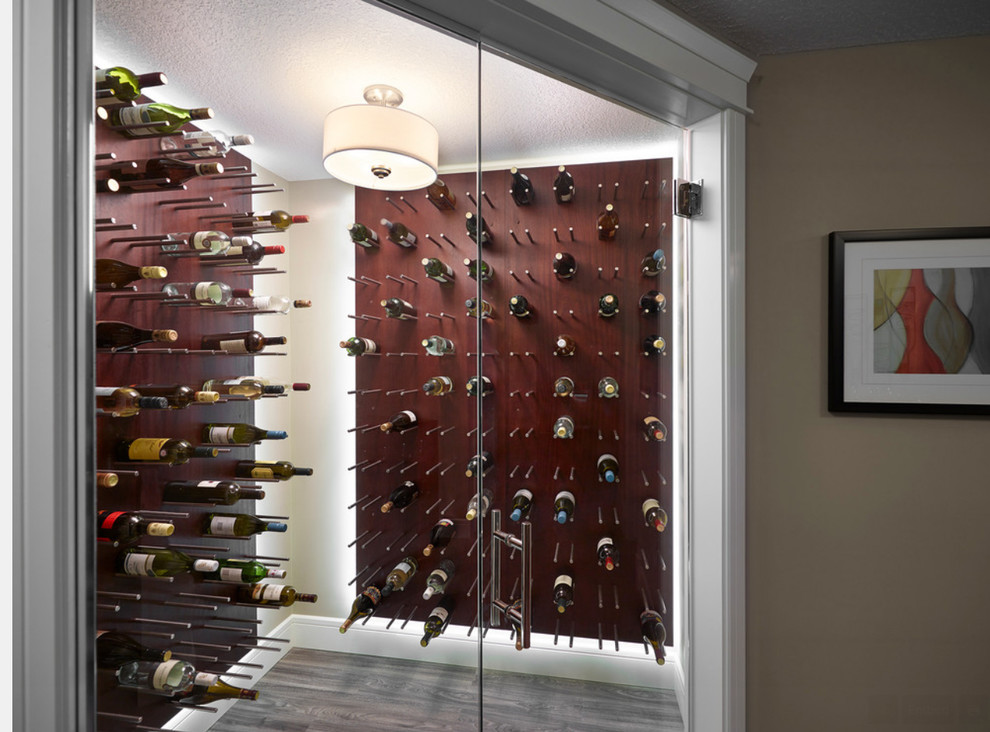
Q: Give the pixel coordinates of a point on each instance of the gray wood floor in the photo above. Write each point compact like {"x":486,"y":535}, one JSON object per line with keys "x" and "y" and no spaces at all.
{"x":320,"y":691}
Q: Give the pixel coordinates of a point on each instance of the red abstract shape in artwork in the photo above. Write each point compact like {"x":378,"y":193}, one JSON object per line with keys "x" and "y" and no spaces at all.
{"x":919,"y":358}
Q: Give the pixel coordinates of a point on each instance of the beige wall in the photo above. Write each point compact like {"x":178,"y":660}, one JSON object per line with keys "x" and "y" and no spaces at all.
{"x":868,"y":539}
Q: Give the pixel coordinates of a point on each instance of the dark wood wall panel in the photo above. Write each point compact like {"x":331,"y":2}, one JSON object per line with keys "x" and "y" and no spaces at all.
{"x":140,"y":485}
{"x":523,"y":368}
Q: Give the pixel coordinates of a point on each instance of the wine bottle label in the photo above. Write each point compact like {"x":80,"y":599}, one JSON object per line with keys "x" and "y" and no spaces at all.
{"x":260,"y":473}
{"x":208,"y":483}
{"x":159,"y":680}
{"x":522,"y":492}
{"x":147,"y":448}
{"x":440,"y":614}
{"x":110,"y":519}
{"x":205,"y":241}
{"x":204,"y":679}
{"x":231,"y":574}
{"x":439,"y":577}
{"x":136,"y":116}
{"x":202,"y":291}
{"x":403,"y":567}
{"x":565,"y":495}
{"x":604,"y":541}
{"x":649,"y":504}
{"x":103,"y":391}
{"x":270,"y":593}
{"x":233,"y":346}
{"x":221,"y":435}
{"x":412,"y":417}
{"x":139,"y":564}
{"x":564,"y":579}
{"x":222,"y":525}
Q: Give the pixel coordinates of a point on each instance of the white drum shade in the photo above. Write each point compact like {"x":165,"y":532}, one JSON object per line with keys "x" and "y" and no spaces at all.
{"x":380,"y":147}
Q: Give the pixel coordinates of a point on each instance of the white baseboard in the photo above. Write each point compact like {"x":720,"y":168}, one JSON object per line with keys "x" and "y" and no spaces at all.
{"x":584,"y":661}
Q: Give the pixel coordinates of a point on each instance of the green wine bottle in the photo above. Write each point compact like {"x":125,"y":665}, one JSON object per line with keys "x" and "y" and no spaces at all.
{"x":167,"y":450}
{"x":238,"y":433}
{"x":269,"y":469}
{"x":438,"y":620}
{"x":271,"y":594}
{"x":245,"y":571}
{"x":159,"y":562}
{"x":124,"y":85}
{"x":155,"y":118}
{"x":239,"y":525}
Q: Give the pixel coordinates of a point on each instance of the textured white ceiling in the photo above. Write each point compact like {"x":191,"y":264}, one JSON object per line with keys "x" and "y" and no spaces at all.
{"x":764,"y":27}
{"x":274,"y":70}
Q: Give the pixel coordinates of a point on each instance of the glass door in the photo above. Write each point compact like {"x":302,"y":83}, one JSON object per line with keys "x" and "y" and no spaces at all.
{"x":584,"y":415}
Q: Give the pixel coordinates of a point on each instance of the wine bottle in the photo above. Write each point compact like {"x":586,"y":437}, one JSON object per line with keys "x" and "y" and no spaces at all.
{"x":238,"y":433}
{"x":269,"y":469}
{"x":247,"y":388}
{"x":608,"y":305}
{"x":438,"y":620}
{"x":124,"y":401}
{"x":204,"y":144}
{"x":479,"y":464}
{"x":521,"y":189}
{"x":565,"y":345}
{"x":158,"y":562}
{"x":522,"y":501}
{"x":653,"y":514}
{"x":564,"y":265}
{"x":249,"y":251}
{"x":563,"y":386}
{"x":168,"y":450}
{"x":608,"y":223}
{"x":563,"y":186}
{"x":563,"y":506}
{"x":477,"y":229}
{"x":168,"y":173}
{"x":364,"y":604}
{"x":608,"y":555}
{"x":272,"y":594}
{"x":208,"y":688}
{"x":608,"y":388}
{"x":400,"y":575}
{"x":278,"y":219}
{"x":563,"y":592}
{"x":486,"y":386}
{"x":396,"y":307}
{"x":479,"y":267}
{"x":440,"y":195}
{"x":137,"y":121}
{"x":563,"y":428}
{"x":654,"y":429}
{"x":400,"y":422}
{"x":653,"y":263}
{"x":437,"y":345}
{"x":399,"y":234}
{"x":216,"y":492}
{"x":437,"y":270}
{"x":114,"y":649}
{"x":653,"y":345}
{"x":124,"y":527}
{"x":651,"y":625}
{"x":205,"y":243}
{"x":608,"y":468}
{"x":273,"y":387}
{"x":479,"y":505}
{"x":205,"y":293}
{"x":438,"y":385}
{"x":240,"y":341}
{"x":362,"y":235}
{"x":273,"y":303}
{"x":124,"y":85}
{"x":438,"y":579}
{"x":178,"y":396}
{"x":401,"y":496}
{"x":113,"y":273}
{"x":167,"y":678}
{"x":652,"y":302}
{"x":244,"y":571}
{"x":519,"y":306}
{"x":486,"y":309}
{"x":239,"y":525}
{"x":357,"y":346}
{"x":440,"y":535}
{"x":119,"y":335}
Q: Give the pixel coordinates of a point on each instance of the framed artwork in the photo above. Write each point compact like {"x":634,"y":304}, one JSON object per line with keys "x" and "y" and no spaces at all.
{"x":909,"y":321}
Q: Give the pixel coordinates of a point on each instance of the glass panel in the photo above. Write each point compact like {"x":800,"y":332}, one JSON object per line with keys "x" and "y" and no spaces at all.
{"x":585,"y":371}
{"x":348,"y":527}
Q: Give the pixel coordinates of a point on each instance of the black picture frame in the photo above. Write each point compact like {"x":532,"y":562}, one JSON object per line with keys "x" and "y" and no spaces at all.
{"x":855,"y":381}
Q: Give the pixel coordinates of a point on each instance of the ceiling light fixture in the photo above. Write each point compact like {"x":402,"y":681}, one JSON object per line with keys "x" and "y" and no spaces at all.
{"x":377,"y":145}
